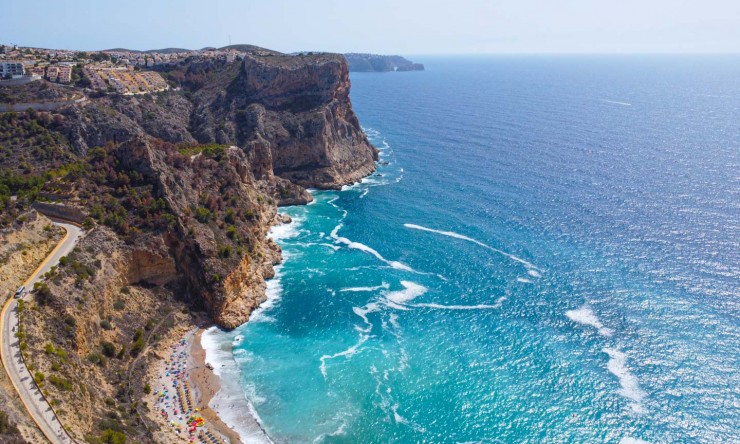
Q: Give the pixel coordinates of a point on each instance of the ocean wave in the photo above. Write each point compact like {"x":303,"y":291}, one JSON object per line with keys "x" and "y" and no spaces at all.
{"x":585,"y":316}
{"x":362,"y":312}
{"x":533,"y":270}
{"x":631,"y":440}
{"x":317,"y":244}
{"x":497,"y":305}
{"x":232,"y":402}
{"x":274,"y":292}
{"x":362,"y":247}
{"x":348,"y":353}
{"x":411,"y":290}
{"x":384,"y":285}
{"x":523,"y":280}
{"x":284,"y":231}
{"x":617,"y":366}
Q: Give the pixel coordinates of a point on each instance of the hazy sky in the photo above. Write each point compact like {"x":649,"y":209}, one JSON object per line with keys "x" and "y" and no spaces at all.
{"x":380,"y":26}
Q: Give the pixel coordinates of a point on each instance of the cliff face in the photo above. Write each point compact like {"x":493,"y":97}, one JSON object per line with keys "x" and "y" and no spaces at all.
{"x":177,"y":191}
{"x":290,"y":124}
{"x":294,"y":115}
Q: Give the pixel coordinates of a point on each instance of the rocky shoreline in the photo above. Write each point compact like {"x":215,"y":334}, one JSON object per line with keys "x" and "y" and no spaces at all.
{"x":178,"y":191}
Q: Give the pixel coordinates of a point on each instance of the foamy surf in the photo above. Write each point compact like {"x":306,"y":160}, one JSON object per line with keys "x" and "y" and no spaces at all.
{"x":362,"y":247}
{"x":532,"y":269}
{"x":496,"y":306}
{"x":411,"y":290}
{"x":382,"y":286}
{"x":631,"y":440}
{"x":274,"y":287}
{"x":231,"y":403}
{"x":585,"y":316}
{"x":630,"y":386}
{"x":348,"y":353}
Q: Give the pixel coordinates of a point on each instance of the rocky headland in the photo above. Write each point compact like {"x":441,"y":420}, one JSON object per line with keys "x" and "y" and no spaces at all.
{"x":178,"y":190}
{"x":380,"y":63}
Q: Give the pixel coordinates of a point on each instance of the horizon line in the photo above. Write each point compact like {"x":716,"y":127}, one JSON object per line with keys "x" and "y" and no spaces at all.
{"x":423,"y":54}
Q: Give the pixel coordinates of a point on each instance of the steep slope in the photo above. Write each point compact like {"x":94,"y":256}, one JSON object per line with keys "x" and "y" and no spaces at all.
{"x":179,"y":189}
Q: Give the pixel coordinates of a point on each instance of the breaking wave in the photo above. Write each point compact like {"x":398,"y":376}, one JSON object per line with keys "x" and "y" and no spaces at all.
{"x":362,"y":247}
{"x":617,"y":366}
{"x":531,"y":267}
{"x":586,"y":316}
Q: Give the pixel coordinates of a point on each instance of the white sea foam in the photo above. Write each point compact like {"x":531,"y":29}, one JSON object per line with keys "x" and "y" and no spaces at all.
{"x":585,"y":316}
{"x":319,"y":244}
{"x":384,"y":285}
{"x":362,"y":247}
{"x":631,"y":440}
{"x":531,"y":267}
{"x":523,"y":280}
{"x":497,"y":305}
{"x":396,"y":416}
{"x":348,"y":353}
{"x":617,"y":366}
{"x":274,"y":292}
{"x":411,"y":290}
{"x":232,"y":402}
{"x":274,"y":287}
{"x":534,"y":273}
{"x":616,"y":103}
{"x":340,"y":431}
{"x":284,"y":231}
{"x":363,"y":312}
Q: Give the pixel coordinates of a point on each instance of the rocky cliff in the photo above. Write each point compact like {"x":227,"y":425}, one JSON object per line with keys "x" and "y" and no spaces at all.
{"x":238,"y":139}
{"x":293,"y":111}
{"x":177,"y":193}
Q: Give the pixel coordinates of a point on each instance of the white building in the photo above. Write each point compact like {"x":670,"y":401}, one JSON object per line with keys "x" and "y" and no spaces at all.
{"x":11,"y":69}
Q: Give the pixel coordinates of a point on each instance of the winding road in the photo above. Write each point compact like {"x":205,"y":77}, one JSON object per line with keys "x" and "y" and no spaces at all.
{"x":10,"y":352}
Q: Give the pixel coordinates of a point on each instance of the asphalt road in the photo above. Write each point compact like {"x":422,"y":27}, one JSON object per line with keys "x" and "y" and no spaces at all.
{"x":35,"y":403}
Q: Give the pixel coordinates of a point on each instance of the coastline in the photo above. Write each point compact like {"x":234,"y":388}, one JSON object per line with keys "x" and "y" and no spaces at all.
{"x":184,"y":350}
{"x":206,"y":385}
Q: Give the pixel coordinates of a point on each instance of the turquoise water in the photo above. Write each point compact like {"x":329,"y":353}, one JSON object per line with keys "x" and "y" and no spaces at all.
{"x":549,"y":253}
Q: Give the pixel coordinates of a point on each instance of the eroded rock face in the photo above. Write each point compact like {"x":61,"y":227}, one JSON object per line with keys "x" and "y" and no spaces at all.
{"x":290,"y":124}
{"x":293,"y":116}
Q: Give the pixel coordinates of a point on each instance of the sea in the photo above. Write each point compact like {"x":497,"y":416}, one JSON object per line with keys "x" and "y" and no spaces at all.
{"x":549,"y":252}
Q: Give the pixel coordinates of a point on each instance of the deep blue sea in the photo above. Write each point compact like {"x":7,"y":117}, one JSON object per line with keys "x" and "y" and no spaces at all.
{"x":549,"y":252}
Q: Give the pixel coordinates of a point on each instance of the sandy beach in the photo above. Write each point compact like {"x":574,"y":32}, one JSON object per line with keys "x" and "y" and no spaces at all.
{"x":182,"y":387}
{"x":207,"y":384}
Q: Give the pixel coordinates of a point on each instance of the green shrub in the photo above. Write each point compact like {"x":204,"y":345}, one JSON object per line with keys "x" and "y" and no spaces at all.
{"x":88,"y":223}
{"x":119,"y":304}
{"x":224,"y":251}
{"x":97,"y":358}
{"x":137,"y":347}
{"x":113,"y":437}
{"x":202,"y":214}
{"x":60,"y":383}
{"x":106,"y":325}
{"x":108,"y":348}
